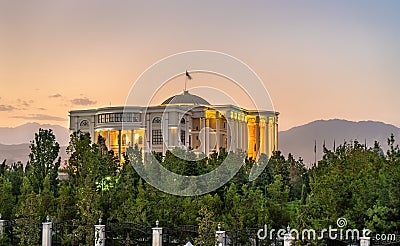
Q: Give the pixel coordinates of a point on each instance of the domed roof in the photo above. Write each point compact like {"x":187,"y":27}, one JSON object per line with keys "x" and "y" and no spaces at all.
{"x":186,"y":98}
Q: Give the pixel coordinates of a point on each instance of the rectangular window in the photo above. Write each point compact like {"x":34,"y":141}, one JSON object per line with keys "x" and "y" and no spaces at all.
{"x":183,"y":135}
{"x":157,"y":137}
{"x":127,"y":117}
{"x":118,"y":117}
{"x":135,"y":117}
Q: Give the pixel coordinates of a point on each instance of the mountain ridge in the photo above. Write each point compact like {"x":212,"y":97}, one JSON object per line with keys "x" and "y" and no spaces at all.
{"x":298,"y":140}
{"x":25,"y":133}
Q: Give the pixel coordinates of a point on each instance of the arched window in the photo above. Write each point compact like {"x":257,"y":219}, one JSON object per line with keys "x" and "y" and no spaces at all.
{"x":183,"y":121}
{"x":156,"y":133}
{"x":156,"y":120}
{"x":84,"y":124}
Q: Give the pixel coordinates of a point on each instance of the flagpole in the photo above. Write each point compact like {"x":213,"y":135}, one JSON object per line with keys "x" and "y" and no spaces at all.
{"x":185,"y":83}
{"x":186,"y":78}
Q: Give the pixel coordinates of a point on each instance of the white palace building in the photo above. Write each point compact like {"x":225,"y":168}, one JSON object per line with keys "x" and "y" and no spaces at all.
{"x":183,"y":120}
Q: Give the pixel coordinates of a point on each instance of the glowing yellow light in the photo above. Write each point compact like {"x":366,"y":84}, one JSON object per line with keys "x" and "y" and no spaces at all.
{"x":250,"y":118}
{"x":211,"y":114}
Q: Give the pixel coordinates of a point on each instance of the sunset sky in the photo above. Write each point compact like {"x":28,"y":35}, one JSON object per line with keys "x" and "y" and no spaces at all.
{"x":318,"y":59}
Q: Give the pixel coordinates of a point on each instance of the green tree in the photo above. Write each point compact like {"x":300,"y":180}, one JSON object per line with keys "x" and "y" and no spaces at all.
{"x":28,"y":215}
{"x":207,"y":227}
{"x":43,"y":160}
{"x":66,"y":208}
{"x":6,"y":198}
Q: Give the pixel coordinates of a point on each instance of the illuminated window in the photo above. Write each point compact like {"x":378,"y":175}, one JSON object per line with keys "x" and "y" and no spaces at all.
{"x":123,"y":139}
{"x":157,"y":137}
{"x":118,"y":117}
{"x":140,"y":140}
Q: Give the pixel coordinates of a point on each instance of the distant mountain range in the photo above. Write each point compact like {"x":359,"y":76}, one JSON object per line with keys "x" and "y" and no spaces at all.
{"x":300,"y":140}
{"x":26,"y":133}
{"x":14,"y":142}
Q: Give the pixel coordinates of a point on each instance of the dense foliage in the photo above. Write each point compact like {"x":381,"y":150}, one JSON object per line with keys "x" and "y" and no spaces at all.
{"x":352,"y":181}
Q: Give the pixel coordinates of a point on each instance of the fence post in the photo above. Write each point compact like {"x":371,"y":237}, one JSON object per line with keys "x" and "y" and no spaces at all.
{"x":365,"y":241}
{"x":288,"y":239}
{"x":1,"y":227}
{"x":157,"y":235}
{"x":220,"y":236}
{"x":46,"y":232}
{"x":100,"y":234}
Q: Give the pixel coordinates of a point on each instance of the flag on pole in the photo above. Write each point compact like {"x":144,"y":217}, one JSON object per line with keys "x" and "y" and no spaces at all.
{"x":188,"y":75}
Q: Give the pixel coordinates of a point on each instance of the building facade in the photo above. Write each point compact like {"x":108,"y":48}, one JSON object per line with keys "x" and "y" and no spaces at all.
{"x":183,"y":120}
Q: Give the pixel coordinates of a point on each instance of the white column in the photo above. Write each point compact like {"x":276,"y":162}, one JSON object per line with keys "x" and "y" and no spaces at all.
{"x":262,"y":137}
{"x":119,"y":144}
{"x":187,"y":144}
{"x":207,"y":132}
{"x":365,"y":241}
{"x":165,"y":131}
{"x":240,"y":134}
{"x":217,"y":134}
{"x":148,"y":134}
{"x":100,"y":235}
{"x":229,"y":134}
{"x":157,"y":235}
{"x":133,"y":138}
{"x":288,"y":240}
{"x":266,"y":137}
{"x":220,"y":236}
{"x":234,"y":135}
{"x":108,"y":139}
{"x":46,"y":233}
{"x":203,"y":135}
{"x":237,"y":137}
{"x":257,"y":138}
{"x":246,"y":136}
{"x":1,"y":227}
